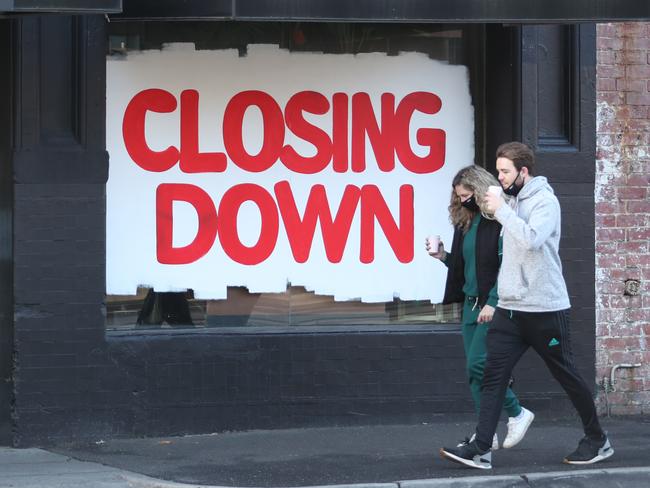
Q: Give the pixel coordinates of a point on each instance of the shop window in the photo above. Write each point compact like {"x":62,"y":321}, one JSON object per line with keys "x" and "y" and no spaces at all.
{"x":296,"y":306}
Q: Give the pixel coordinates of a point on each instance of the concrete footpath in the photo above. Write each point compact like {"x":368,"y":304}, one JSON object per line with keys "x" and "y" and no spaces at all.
{"x":384,"y":456}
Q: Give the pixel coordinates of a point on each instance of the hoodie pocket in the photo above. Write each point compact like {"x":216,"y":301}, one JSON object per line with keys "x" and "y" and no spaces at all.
{"x":513,"y":285}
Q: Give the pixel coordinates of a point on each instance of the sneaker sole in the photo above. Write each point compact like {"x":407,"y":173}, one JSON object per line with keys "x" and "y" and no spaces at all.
{"x":521,"y":437}
{"x":466,"y":462}
{"x":598,"y":458}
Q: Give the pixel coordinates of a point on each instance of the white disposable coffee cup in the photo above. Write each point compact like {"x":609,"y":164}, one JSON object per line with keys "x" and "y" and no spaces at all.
{"x":434,"y":243}
{"x":495,"y":190}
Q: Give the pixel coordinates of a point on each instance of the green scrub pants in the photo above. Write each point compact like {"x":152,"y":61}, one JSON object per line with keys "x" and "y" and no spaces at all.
{"x":474,"y":340}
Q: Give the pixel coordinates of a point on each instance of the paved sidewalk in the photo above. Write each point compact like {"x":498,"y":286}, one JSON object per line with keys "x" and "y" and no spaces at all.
{"x":394,"y":456}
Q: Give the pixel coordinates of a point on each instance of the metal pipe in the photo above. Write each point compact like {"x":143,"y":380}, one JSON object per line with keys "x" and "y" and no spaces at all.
{"x":612,"y":376}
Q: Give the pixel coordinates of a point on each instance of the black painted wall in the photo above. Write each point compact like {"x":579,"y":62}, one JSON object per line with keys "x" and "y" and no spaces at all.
{"x":73,"y":380}
{"x":6,"y":199}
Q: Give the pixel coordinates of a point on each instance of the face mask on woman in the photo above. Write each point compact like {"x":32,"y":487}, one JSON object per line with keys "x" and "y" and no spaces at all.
{"x":470,"y":204}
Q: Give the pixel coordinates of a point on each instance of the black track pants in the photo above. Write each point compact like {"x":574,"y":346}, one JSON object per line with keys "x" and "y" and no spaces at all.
{"x":511,"y":334}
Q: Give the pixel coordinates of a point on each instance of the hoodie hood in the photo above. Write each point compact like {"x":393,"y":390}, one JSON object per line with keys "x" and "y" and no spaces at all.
{"x":535,"y":185}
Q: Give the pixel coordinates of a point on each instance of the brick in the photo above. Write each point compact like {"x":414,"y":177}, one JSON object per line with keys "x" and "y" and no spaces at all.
{"x":621,"y":274}
{"x":605,"y":57}
{"x":631,"y":29}
{"x":617,"y":357}
{"x":640,"y":72}
{"x":633,"y":98}
{"x":615,"y":43}
{"x":610,"y":234}
{"x":622,"y":343}
{"x":631,"y":220}
{"x":639,"y":112}
{"x":608,"y":261}
{"x":632,"y":193}
{"x":610,"y":207}
{"x":637,"y":179}
{"x":606,"y":193}
{"x":611,"y":71}
{"x":618,"y":125}
{"x":610,"y":84}
{"x":629,"y":57}
{"x":633,"y":128}
{"x":614,"y":287}
{"x":640,"y":166}
{"x":604,"y":140}
{"x":638,"y":207}
{"x":633,"y":247}
{"x":609,"y":315}
{"x":626,"y":85}
{"x":609,"y":166}
{"x":638,"y":234}
{"x":606,"y":221}
{"x":606,"y":155}
{"x":623,"y":301}
{"x":637,"y":43}
{"x":611,"y":181}
{"x":606,"y":247}
{"x":638,"y":315}
{"x":611,"y":98}
{"x":606,"y":30}
{"x":642,"y":260}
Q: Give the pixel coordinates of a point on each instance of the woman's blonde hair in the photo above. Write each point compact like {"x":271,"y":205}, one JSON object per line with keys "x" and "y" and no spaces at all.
{"x":476,"y":180}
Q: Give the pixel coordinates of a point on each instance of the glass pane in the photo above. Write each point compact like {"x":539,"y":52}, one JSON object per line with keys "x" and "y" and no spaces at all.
{"x":297,"y":306}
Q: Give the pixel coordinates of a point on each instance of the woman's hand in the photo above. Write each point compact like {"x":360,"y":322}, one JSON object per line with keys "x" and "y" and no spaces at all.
{"x":436,"y":253}
{"x":486,"y":314}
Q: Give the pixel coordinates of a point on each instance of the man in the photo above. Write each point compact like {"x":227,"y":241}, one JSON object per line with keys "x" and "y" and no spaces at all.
{"x":532,"y":310}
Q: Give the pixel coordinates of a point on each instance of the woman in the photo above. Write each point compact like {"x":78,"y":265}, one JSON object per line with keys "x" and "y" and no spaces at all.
{"x":473,"y":265}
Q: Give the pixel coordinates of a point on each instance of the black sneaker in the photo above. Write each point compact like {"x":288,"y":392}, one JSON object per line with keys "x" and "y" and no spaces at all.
{"x":590,"y":451}
{"x":495,"y":441}
{"x":468,"y":454}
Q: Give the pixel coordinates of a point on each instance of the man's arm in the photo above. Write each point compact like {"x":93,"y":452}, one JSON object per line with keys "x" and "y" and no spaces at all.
{"x":541,"y":223}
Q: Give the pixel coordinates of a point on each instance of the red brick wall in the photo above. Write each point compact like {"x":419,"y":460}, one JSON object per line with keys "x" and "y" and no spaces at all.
{"x":623,"y":215}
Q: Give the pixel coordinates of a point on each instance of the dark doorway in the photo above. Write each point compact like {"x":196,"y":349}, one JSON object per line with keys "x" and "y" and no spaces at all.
{"x":6,"y":257}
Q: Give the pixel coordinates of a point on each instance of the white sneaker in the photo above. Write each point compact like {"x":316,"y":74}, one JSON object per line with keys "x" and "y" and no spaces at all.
{"x":517,"y":428}
{"x":495,"y":441}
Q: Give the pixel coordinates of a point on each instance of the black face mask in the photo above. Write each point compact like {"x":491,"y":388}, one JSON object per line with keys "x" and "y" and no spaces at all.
{"x":470,"y":204}
{"x":514,"y":189}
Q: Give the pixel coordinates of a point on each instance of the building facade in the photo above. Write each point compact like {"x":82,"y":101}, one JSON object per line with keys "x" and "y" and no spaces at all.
{"x":73,"y":368}
{"x":622,"y":225}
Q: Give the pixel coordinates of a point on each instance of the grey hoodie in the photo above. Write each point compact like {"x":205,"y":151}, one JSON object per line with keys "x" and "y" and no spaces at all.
{"x":530,"y":278}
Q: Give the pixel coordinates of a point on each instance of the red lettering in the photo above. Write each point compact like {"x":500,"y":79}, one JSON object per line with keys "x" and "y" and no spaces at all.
{"x":231,"y":201}
{"x":388,"y":139}
{"x":166,"y":194}
{"x":364,"y":122}
{"x":192,"y":161}
{"x":273,"y":131}
{"x":400,"y":238}
{"x":300,"y":232}
{"x":133,"y":130}
{"x":434,"y":139}
{"x":340,"y":132}
{"x":314,"y":103}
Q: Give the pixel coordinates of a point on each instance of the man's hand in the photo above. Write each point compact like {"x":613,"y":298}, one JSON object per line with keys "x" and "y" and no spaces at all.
{"x":486,"y":314}
{"x":492,"y":202}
